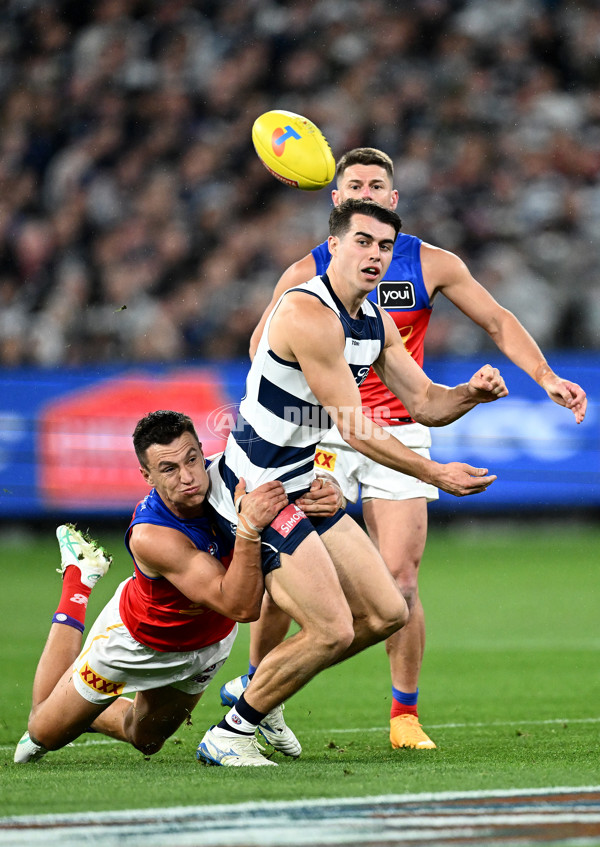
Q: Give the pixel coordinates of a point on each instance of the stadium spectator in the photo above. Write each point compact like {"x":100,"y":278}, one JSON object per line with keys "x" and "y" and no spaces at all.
{"x":117,"y":116}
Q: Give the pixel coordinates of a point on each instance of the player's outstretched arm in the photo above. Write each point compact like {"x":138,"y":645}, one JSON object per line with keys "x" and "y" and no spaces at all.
{"x":430,"y":403}
{"x":305,"y":330}
{"x":454,"y":280}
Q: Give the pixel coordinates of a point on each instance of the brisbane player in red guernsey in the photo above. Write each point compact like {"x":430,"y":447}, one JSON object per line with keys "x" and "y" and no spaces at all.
{"x":169,"y":627}
{"x":395,"y":505}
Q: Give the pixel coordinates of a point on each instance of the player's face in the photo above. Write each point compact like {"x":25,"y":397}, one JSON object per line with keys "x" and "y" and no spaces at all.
{"x":177,"y":472}
{"x":367,"y":182}
{"x":363,"y":254}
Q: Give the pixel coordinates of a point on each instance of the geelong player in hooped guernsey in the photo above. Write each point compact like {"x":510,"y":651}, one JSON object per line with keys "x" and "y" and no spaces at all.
{"x":280,"y":420}
{"x":316,"y":348}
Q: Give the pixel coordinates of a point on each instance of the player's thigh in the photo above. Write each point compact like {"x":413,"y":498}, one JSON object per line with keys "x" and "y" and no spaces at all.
{"x":63,"y":715}
{"x":156,"y":714}
{"x":306,"y":586}
{"x":399,"y":530}
{"x":363,"y":575}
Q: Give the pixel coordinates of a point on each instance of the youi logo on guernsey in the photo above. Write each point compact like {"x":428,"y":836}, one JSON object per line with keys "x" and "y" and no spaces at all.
{"x":396,"y":295}
{"x":280,"y":136}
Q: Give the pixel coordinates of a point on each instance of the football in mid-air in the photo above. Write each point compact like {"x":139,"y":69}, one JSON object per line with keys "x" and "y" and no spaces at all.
{"x":293,"y":149}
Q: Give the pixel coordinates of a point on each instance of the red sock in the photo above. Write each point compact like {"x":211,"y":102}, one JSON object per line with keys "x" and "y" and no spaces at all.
{"x":73,"y":600}
{"x":402,"y":709}
{"x":404,"y":703}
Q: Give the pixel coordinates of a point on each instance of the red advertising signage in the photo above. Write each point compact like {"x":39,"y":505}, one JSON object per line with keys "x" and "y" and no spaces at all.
{"x":86,"y":453}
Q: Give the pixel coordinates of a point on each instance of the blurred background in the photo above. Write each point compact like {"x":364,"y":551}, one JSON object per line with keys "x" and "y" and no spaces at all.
{"x":140,"y":236}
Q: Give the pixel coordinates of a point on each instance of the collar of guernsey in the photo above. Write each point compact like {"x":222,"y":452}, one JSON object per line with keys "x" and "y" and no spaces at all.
{"x":403,"y":295}
{"x":201,"y":531}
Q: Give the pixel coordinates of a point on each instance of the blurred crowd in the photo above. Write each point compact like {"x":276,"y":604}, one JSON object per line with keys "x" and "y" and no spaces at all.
{"x":137,"y":223}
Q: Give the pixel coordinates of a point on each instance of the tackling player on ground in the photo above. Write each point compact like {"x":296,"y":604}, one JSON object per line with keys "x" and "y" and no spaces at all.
{"x":169,"y":627}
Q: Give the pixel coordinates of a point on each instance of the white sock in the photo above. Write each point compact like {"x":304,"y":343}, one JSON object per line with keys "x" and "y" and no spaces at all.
{"x":238,"y":724}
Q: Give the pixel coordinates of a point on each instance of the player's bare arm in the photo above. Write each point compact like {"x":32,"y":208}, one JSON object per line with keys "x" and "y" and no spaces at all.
{"x":235,"y":592}
{"x":301,"y":271}
{"x":428,"y":402}
{"x":305,"y":331}
{"x":446,"y":273}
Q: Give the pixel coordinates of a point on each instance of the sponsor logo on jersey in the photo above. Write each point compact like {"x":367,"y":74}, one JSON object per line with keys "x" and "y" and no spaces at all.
{"x":396,"y":295}
{"x":99,"y":683}
{"x":326,"y":460}
{"x":362,"y":374}
{"x":280,"y":136}
{"x":288,"y":519}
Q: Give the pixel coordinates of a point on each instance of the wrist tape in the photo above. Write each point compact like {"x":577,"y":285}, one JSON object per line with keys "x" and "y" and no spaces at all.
{"x":245,"y":527}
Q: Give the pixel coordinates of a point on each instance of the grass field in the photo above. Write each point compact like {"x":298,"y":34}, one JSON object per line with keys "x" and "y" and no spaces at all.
{"x":510,"y":689}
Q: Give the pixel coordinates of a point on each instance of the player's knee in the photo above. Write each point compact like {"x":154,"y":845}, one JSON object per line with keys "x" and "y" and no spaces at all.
{"x":335,"y":639}
{"x":387,"y":621}
{"x":145,"y":737}
{"x":148,"y":746}
{"x":409,"y":586}
{"x":49,"y":735}
{"x":410,"y":593}
{"x":48,"y":740}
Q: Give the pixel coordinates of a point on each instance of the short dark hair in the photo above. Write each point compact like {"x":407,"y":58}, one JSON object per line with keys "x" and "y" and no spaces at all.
{"x":365,"y":156}
{"x":160,"y":427}
{"x":340,"y":217}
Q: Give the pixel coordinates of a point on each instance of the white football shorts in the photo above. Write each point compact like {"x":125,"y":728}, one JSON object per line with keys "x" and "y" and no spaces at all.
{"x":355,"y":472}
{"x":112,"y":662}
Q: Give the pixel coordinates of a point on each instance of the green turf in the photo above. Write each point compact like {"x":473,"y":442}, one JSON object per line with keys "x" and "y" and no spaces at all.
{"x":510,"y":689}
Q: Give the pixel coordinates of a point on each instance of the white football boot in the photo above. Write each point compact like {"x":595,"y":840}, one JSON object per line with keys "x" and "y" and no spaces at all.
{"x":273,"y":728}
{"x":80,"y":550}
{"x":220,"y":747}
{"x":28,"y":751}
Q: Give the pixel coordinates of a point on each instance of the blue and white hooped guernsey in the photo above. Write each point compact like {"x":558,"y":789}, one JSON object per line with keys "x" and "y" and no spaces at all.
{"x":280,"y":421}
